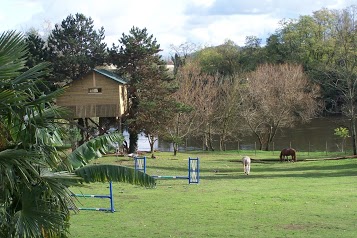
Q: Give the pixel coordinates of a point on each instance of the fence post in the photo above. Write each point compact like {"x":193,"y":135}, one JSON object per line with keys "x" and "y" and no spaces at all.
{"x":273,"y":147}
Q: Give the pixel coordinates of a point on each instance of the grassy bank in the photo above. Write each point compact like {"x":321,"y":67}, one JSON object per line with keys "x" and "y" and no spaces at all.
{"x":310,"y":198}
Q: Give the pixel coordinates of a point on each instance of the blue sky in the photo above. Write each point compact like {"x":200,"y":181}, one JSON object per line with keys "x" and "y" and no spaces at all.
{"x":172,"y":22}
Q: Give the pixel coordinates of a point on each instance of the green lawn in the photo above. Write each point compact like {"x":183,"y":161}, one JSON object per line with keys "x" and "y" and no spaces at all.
{"x":310,"y":198}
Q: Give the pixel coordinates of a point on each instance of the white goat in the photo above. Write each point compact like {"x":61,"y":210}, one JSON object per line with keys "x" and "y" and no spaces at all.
{"x":246,"y":164}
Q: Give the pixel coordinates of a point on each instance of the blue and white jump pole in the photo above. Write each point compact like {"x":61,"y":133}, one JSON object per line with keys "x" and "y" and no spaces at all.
{"x":193,"y":170}
{"x":110,"y":196}
{"x":140,"y":164}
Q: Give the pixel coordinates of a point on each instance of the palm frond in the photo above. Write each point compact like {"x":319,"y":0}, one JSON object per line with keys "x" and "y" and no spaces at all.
{"x":10,"y":97}
{"x":115,"y":173}
{"x":18,"y":164}
{"x":93,"y":149}
{"x":48,"y":97}
{"x":66,"y":178}
{"x":42,"y":209}
{"x":12,"y":52}
{"x":33,"y":73}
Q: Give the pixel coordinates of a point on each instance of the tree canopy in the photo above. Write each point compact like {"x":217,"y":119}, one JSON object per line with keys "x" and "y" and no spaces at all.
{"x":136,"y":57}
{"x":278,"y":96}
{"x":75,"y":48}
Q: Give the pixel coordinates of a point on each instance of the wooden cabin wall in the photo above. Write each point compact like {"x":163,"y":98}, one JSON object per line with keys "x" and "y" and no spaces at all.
{"x":110,"y":102}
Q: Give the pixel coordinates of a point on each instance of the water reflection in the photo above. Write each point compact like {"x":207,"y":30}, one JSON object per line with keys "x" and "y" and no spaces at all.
{"x":318,"y":135}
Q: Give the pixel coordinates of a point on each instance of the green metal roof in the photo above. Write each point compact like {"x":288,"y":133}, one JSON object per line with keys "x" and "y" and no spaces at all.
{"x":111,"y":75}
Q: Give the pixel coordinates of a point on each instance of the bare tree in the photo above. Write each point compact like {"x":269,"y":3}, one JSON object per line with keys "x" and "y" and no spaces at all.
{"x":278,"y":96}
{"x":181,"y":53}
{"x":207,"y":106}
{"x":185,"y":113}
{"x":228,"y":123}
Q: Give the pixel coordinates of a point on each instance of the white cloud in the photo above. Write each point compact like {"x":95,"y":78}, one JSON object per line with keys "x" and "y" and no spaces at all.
{"x":203,"y":22}
{"x":17,"y":14}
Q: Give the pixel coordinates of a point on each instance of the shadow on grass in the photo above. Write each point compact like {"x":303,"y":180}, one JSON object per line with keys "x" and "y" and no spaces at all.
{"x":164,"y":169}
{"x":303,"y":175}
{"x":306,"y":167}
{"x":303,"y":170}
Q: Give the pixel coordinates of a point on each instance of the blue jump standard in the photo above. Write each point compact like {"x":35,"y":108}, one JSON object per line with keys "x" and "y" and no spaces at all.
{"x":193,"y":170}
{"x":110,"y":196}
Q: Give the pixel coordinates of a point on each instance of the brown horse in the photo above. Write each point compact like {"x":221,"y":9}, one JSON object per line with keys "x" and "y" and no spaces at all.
{"x":285,"y":153}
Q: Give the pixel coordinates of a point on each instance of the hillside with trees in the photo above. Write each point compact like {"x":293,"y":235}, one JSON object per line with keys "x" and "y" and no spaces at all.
{"x":210,"y":92}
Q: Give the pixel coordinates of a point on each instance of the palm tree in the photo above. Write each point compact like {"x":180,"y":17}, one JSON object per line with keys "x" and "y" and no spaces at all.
{"x":35,"y":174}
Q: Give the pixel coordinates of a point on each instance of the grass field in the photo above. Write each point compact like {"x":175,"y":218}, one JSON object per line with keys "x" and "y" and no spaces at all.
{"x":310,"y":198}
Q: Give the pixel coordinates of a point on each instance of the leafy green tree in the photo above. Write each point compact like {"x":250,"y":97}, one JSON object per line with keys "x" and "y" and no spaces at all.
{"x":309,"y":41}
{"x":35,"y":175}
{"x":75,"y":48}
{"x":325,"y":45}
{"x":343,"y":133}
{"x":37,"y":51}
{"x":341,"y":70}
{"x":223,"y":59}
{"x":251,"y":53}
{"x":137,"y":58}
{"x":155,"y":108}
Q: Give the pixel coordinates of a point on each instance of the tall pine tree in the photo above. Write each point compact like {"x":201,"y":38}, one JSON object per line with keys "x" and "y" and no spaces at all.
{"x":137,"y":58}
{"x":37,"y":50}
{"x":75,"y":48}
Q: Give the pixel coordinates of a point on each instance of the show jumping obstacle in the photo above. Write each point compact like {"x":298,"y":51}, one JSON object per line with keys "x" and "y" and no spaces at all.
{"x":140,"y":164}
{"x":193,"y":170}
{"x":110,"y":196}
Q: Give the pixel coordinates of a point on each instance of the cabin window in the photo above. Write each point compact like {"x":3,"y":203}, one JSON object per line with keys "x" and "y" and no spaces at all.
{"x":94,"y":90}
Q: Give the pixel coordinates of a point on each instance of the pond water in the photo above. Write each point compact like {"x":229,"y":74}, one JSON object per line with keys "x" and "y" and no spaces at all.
{"x":317,"y":135}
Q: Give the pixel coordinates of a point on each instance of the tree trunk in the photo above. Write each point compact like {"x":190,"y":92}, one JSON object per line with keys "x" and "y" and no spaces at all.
{"x":101,"y":126}
{"x":133,"y":141}
{"x":151,"y":139}
{"x":353,"y":130}
{"x":88,"y":136}
{"x":267,"y":146}
{"x":73,"y":137}
{"x":205,"y":143}
{"x":210,"y":145}
{"x":81,"y":124}
{"x":209,"y":138}
{"x":261,"y":143}
{"x":222,"y":142}
{"x":175,"y":146}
